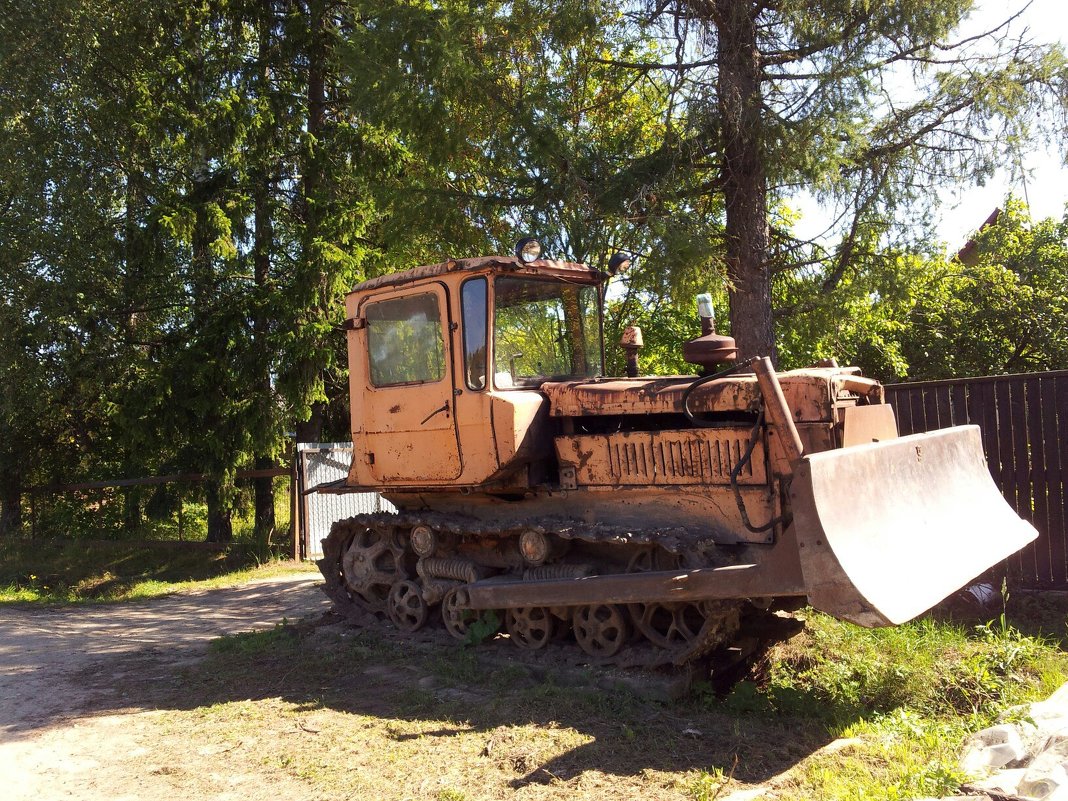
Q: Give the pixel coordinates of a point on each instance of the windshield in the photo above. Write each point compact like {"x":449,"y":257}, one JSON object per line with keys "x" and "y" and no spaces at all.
{"x":544,"y":329}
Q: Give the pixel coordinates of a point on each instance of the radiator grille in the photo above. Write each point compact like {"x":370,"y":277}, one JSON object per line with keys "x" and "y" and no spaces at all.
{"x":670,"y":457}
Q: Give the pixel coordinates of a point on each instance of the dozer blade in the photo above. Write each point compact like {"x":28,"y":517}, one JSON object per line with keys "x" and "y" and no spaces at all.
{"x":886,"y":530}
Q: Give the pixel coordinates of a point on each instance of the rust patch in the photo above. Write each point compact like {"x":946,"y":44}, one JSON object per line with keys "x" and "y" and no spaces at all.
{"x":394,"y":408}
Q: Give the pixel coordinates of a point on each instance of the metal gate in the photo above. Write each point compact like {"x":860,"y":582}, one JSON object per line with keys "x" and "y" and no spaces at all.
{"x":322,"y":463}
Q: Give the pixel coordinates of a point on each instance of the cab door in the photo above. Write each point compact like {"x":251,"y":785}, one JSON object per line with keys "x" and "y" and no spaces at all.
{"x":407,"y":407}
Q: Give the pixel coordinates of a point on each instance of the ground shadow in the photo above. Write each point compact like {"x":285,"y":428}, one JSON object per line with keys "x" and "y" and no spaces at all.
{"x":630,"y":721}
{"x":1036,"y":614}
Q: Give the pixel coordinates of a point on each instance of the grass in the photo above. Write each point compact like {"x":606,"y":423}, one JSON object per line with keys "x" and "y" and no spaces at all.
{"x":80,"y":571}
{"x":837,"y":712}
{"x":902,"y":700}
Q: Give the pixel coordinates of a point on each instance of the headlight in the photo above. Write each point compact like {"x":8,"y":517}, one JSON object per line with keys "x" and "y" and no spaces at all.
{"x":528,"y":250}
{"x":619,"y":263}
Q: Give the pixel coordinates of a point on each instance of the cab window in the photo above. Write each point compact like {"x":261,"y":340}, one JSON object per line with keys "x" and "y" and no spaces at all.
{"x":544,"y":329}
{"x":473,"y":298}
{"x":404,"y":341}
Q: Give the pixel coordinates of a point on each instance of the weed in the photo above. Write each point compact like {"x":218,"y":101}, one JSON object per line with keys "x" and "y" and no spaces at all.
{"x":253,"y":643}
{"x":482,"y":628}
{"x":910,"y":695}
{"x":709,"y":784}
{"x":509,"y":676}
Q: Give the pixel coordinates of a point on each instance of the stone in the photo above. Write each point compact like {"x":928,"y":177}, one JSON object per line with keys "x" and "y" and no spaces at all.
{"x":993,"y":748}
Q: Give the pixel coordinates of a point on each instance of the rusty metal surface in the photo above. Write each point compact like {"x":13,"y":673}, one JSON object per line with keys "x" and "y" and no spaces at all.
{"x":888,"y":529}
{"x":686,"y":457}
{"x":510,"y":264}
{"x":811,"y":395}
{"x":601,"y":629}
{"x":705,"y":512}
{"x":648,"y":396}
{"x":778,"y":413}
{"x":738,"y":582}
{"x":401,"y":423}
{"x":534,"y":503}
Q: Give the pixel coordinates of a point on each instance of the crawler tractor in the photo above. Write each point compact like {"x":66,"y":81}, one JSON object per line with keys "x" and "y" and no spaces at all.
{"x":649,"y":519}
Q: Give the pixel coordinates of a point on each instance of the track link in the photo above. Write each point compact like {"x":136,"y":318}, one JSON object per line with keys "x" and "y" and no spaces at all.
{"x":364,"y":557}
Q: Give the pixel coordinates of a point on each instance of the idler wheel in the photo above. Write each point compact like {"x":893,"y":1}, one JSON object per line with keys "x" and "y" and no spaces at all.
{"x":669,"y":625}
{"x":600,"y":629}
{"x":370,"y":567}
{"x":406,"y":606}
{"x":530,"y":627}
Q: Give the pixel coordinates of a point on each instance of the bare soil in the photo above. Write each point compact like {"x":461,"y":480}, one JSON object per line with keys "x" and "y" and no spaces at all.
{"x":133,"y":702}
{"x":69,"y":728}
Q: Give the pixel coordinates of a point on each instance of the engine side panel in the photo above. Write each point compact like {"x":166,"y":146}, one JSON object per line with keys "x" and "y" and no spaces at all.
{"x":690,"y":457}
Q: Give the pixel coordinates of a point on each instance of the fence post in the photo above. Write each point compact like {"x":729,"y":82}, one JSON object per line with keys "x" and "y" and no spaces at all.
{"x":294,"y":506}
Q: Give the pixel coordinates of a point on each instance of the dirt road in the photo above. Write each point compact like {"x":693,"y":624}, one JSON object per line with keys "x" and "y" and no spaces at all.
{"x":68,"y":729}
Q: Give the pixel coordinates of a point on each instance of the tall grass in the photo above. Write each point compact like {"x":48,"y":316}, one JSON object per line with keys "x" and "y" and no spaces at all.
{"x":903,"y":699}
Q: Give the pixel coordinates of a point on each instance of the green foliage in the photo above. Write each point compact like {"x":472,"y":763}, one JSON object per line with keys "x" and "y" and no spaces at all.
{"x":482,"y":627}
{"x":897,"y":756}
{"x":182,"y":215}
{"x":1002,"y":310}
{"x":189,"y":192}
{"x":901,"y":700}
{"x":920,"y":316}
{"x":860,"y":321}
{"x":709,"y":785}
{"x":543,"y":330}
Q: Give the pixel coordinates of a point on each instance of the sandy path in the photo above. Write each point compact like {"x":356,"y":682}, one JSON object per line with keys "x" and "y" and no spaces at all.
{"x":63,"y":737}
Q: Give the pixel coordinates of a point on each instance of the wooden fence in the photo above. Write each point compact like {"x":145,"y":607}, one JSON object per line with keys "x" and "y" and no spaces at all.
{"x":1024,"y":422}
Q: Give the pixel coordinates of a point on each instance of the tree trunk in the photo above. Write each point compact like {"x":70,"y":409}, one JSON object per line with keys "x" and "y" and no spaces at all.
{"x":220,"y":523}
{"x":132,"y":519}
{"x":264,"y":492}
{"x":311,"y":429}
{"x":264,"y":487}
{"x":744,"y":179}
{"x":220,"y":526}
{"x":10,"y":506}
{"x":261,"y":259}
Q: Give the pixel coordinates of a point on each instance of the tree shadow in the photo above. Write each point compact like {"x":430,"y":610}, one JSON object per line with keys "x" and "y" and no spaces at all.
{"x":1039,"y":614}
{"x":628,"y":720}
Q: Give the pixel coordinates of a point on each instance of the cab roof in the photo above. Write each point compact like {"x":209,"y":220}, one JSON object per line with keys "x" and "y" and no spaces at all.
{"x":486,"y":264}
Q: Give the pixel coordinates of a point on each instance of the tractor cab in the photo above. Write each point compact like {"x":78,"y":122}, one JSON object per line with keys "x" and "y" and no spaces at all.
{"x":445,"y":362}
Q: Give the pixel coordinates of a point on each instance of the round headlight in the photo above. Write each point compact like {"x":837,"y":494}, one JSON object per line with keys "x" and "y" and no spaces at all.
{"x":528,"y":250}
{"x":619,"y":263}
